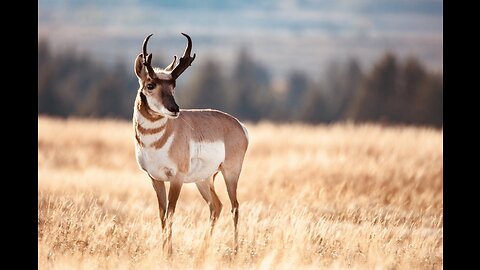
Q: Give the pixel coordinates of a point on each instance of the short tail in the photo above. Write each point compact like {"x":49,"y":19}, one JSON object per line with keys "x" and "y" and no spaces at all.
{"x":245,"y":130}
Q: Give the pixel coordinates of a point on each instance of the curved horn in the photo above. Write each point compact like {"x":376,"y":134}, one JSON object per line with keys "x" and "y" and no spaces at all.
{"x":188,"y":49}
{"x":172,"y":65}
{"x":185,"y":61}
{"x":144,"y":47}
{"x":147,"y":58}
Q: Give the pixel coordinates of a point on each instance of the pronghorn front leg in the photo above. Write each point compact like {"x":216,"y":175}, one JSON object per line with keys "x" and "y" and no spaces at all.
{"x":159,"y":187}
{"x":173,"y":193}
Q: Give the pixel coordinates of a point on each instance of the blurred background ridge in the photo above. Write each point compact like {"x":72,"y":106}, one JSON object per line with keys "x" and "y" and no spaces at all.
{"x":313,"y":61}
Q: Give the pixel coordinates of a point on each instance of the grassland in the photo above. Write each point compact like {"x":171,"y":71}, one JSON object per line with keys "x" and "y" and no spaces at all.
{"x":341,"y":196}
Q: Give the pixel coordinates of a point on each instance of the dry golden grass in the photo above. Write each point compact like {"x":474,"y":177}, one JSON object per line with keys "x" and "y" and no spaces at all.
{"x":330,"y":197}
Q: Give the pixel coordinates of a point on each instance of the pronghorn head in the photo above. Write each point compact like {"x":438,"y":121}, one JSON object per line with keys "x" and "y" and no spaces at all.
{"x":158,"y":85}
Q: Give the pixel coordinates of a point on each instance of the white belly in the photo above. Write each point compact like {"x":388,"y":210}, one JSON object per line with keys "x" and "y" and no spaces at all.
{"x":205,"y":159}
{"x":156,"y":162}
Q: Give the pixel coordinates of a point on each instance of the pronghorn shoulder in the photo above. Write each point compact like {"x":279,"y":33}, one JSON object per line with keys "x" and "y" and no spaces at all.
{"x":210,"y":123}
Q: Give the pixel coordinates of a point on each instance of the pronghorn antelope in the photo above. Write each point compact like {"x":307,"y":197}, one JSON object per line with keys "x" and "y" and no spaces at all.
{"x":184,"y":146}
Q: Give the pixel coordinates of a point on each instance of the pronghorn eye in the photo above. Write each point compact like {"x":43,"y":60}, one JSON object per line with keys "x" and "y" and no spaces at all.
{"x":150,"y":86}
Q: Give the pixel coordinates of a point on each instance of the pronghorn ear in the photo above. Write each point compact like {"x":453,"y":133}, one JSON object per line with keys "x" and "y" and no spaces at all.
{"x":139,"y":68}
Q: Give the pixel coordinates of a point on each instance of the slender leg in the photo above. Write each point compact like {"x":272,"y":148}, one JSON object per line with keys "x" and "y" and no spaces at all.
{"x":173,"y":193}
{"x":231,"y":180}
{"x":207,"y":190}
{"x":159,"y":187}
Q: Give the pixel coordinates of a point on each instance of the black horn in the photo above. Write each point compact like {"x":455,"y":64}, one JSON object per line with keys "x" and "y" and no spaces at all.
{"x":147,"y":58}
{"x":185,"y":61}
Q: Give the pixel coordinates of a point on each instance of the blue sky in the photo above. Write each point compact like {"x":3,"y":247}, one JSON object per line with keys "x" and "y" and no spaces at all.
{"x":284,"y":34}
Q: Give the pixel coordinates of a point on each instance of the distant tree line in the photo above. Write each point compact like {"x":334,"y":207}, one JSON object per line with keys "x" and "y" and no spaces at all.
{"x":393,"y":91}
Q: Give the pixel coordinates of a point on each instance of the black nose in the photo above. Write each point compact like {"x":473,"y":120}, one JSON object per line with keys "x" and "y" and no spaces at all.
{"x":170,"y":104}
{"x":174,"y":108}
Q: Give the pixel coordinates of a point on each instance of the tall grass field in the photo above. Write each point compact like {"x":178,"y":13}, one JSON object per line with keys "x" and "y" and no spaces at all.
{"x":340,"y":196}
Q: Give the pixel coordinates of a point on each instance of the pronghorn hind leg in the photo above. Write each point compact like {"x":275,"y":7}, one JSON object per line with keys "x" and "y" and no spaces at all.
{"x":231,"y":176}
{"x":207,"y":190}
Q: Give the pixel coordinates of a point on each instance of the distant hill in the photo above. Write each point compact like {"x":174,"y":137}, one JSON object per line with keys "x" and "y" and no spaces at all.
{"x":304,"y":35}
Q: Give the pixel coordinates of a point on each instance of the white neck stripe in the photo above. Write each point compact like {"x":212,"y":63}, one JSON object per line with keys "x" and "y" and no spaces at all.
{"x":147,"y":124}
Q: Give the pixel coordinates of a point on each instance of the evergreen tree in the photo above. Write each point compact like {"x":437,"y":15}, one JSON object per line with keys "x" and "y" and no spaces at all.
{"x":392,"y":91}
{"x":251,"y":83}
{"x":207,"y":88}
